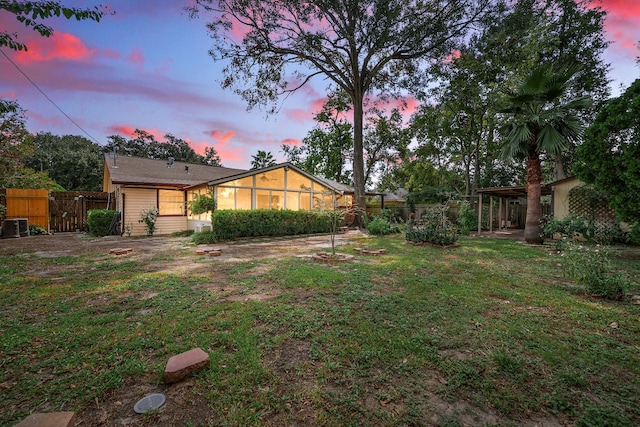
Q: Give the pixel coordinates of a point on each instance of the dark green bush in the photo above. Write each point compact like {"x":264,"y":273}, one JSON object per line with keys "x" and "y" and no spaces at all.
{"x":379,"y":226}
{"x":435,"y":235}
{"x":204,"y":238}
{"x":467,"y":219}
{"x":434,"y":228}
{"x":233,"y":224}
{"x":34,"y":230}
{"x":100,"y":220}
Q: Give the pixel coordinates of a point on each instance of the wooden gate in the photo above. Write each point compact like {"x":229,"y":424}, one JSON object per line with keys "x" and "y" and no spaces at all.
{"x":68,"y":210}
{"x":30,"y":204}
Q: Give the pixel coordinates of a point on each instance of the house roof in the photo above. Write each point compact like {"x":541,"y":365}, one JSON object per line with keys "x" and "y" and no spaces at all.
{"x":521,"y":190}
{"x":141,"y":171}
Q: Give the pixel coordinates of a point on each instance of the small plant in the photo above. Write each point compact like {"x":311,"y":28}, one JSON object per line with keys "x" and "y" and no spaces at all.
{"x":148,"y":218}
{"x":128,"y":229}
{"x":467,"y":219}
{"x":203,"y":203}
{"x":591,"y":267}
{"x":35,"y":230}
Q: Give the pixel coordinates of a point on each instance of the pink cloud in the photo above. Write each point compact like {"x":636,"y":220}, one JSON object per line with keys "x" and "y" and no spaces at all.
{"x":123,"y":130}
{"x":136,"y":57}
{"x":221,"y":139}
{"x":621,"y":24}
{"x":291,"y":141}
{"x":59,"y":46}
{"x":455,"y":54}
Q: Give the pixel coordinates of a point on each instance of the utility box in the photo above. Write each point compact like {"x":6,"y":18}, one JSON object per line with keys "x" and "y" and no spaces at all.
{"x":23,"y":226}
{"x":10,"y":228}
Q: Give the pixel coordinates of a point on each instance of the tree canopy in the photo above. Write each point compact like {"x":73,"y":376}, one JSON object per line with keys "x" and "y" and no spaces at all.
{"x":609,"y":157}
{"x":144,"y":144}
{"x":357,"y":45}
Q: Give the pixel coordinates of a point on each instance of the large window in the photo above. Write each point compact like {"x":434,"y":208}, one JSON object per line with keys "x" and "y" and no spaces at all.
{"x":270,"y":192}
{"x":226,"y":198}
{"x":171,"y":202}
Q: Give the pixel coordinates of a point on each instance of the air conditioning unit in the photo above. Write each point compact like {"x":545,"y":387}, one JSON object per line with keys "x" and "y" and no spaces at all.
{"x":10,"y":228}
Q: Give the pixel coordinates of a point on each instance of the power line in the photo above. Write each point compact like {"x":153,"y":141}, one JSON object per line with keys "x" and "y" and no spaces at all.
{"x":48,"y":99}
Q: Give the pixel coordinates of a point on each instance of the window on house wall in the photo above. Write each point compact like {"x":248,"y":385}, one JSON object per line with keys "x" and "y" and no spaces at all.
{"x":171,"y":202}
{"x":296,"y":181}
{"x":293,"y":200}
{"x":243,"y":198}
{"x":305,"y":201}
{"x":271,"y":179}
{"x":225,"y":198}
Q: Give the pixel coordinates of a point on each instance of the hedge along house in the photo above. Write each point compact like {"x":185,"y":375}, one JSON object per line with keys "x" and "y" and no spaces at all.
{"x":141,"y":184}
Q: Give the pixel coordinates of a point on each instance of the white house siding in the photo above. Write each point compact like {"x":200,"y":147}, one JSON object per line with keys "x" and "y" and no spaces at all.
{"x":138,"y":200}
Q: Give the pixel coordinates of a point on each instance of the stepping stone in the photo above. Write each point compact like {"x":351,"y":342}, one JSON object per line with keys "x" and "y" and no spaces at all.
{"x":184,"y":364}
{"x":120,"y":251}
{"x":215,"y":253}
{"x":207,"y":250}
{"x":53,"y":419}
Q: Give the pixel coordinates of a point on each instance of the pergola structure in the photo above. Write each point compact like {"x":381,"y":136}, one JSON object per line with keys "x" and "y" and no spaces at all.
{"x":503,"y":194}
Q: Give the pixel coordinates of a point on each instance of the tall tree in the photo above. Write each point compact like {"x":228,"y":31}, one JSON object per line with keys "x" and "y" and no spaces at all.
{"x":32,"y":14}
{"x":211,"y":157}
{"x":386,"y":143}
{"x":15,"y":141}
{"x":609,"y":157}
{"x":262,"y":159}
{"x":358,"y":45}
{"x":540,"y":124}
{"x":74,"y":162}
{"x":145,"y":145}
{"x":326,"y":148}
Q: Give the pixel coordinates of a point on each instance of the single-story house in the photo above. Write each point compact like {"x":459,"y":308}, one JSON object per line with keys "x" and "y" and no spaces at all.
{"x":141,"y":184}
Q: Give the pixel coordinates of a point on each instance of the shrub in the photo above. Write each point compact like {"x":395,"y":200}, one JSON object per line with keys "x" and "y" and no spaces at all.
{"x":573,"y":226}
{"x":35,"y":230}
{"x":148,"y":218}
{"x":379,"y":226}
{"x":434,"y":228}
{"x":590,"y":266}
{"x":100,"y":221}
{"x":467,"y":219}
{"x":233,"y":224}
{"x":202,"y":204}
{"x":204,"y":238}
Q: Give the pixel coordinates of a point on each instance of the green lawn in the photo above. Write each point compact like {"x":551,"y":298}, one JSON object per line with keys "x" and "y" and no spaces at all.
{"x":489,"y":333}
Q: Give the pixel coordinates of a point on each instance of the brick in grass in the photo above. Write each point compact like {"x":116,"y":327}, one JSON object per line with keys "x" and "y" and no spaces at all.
{"x":185,"y":364}
{"x":51,"y":419}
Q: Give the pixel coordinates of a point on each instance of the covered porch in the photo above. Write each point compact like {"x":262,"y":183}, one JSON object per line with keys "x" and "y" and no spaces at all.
{"x":505,"y":217}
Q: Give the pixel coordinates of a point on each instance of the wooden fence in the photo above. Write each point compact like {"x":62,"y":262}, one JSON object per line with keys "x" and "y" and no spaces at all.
{"x":68,"y":210}
{"x":30,"y":204}
{"x":56,"y":211}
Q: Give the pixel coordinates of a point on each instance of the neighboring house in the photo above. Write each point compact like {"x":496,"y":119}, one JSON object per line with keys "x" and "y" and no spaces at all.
{"x":141,"y":184}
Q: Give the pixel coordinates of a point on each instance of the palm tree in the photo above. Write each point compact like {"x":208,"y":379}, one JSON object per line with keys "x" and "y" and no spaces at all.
{"x":262,"y":159}
{"x":541,"y":122}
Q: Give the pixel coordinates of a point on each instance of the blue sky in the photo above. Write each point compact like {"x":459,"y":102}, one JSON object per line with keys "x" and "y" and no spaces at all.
{"x":147,"y":67}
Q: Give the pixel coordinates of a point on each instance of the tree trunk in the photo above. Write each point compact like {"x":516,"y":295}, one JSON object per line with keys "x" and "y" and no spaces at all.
{"x":559,"y":167}
{"x":532,"y":227}
{"x":358,"y":158}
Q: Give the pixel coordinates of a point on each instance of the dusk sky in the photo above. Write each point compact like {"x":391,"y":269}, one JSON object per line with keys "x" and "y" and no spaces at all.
{"x":147,"y":67}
